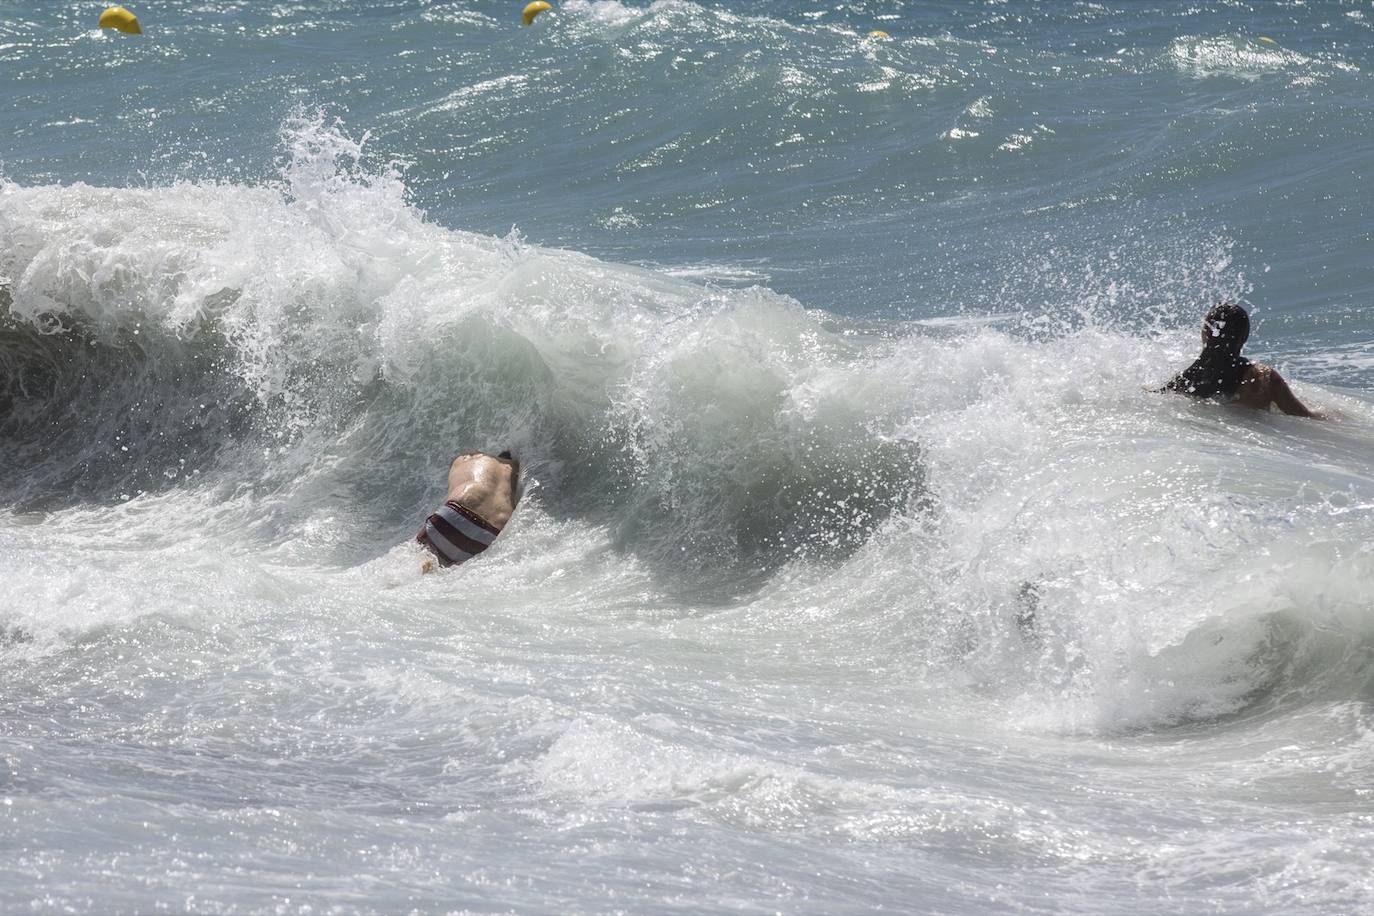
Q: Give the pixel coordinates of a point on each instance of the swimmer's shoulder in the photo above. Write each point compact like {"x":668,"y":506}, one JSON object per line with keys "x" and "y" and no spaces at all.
{"x":1264,"y":385}
{"x":1257,"y":376}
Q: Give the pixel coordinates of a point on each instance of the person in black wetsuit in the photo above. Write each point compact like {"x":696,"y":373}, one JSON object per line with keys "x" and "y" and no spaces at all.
{"x":1221,"y":372}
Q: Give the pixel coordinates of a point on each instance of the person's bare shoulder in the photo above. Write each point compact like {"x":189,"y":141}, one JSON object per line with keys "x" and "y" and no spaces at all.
{"x":1263,"y":385}
{"x":1255,"y":387}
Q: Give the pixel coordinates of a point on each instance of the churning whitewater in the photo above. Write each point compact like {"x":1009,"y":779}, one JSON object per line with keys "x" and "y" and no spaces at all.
{"x":859,"y":566}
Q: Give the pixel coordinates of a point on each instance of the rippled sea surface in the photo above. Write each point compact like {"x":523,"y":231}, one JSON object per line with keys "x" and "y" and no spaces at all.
{"x":858,"y":568}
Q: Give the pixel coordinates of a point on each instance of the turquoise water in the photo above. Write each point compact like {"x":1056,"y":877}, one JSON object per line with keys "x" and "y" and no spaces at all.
{"x":829,"y":359}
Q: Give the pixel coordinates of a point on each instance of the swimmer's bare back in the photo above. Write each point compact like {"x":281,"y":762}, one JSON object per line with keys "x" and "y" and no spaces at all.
{"x":484,"y":484}
{"x":1262,"y":385}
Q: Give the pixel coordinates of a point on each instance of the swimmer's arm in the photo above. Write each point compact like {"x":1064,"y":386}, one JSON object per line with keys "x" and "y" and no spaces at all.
{"x":1286,"y":400}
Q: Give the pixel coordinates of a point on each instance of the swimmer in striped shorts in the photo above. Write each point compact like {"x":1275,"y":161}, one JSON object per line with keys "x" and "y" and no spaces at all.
{"x":482,"y":492}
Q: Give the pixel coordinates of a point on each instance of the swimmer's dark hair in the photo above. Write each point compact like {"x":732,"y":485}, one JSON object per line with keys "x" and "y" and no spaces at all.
{"x":1220,"y":368}
{"x":1225,"y":327}
{"x":514,"y":462}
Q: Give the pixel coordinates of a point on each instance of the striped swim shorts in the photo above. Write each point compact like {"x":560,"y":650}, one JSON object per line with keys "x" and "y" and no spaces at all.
{"x":455,"y":534}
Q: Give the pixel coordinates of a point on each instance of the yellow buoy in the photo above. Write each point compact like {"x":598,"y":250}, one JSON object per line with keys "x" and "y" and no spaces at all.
{"x":534,"y":9}
{"x":120,"y":19}
{"x":878,"y":33}
{"x":1267,"y":40}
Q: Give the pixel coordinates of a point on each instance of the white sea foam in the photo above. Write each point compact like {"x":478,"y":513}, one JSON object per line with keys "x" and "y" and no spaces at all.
{"x":719,"y":411}
{"x":777,"y":575}
{"x":1247,"y":58}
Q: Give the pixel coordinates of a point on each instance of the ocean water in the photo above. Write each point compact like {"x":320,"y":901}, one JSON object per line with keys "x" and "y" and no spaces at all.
{"x":858,"y":568}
